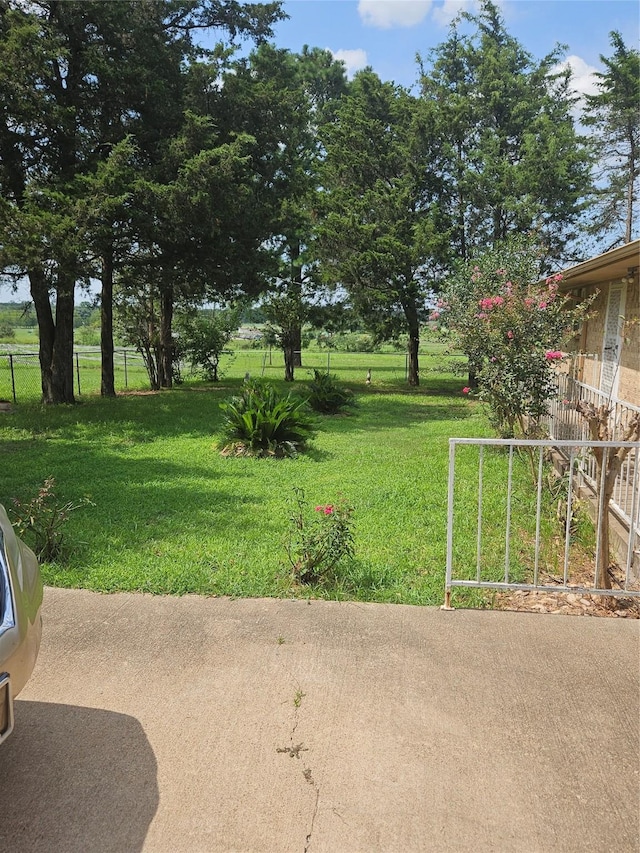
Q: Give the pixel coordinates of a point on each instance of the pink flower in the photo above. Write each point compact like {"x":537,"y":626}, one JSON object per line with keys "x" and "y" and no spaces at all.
{"x":529,"y":302}
{"x":542,"y":305}
{"x":435,"y":315}
{"x":510,"y":335}
{"x":553,"y":354}
{"x":466,"y":389}
{"x":327,"y":510}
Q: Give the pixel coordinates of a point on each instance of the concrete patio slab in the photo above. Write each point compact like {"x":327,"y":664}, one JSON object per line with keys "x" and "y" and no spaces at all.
{"x":259,"y":726}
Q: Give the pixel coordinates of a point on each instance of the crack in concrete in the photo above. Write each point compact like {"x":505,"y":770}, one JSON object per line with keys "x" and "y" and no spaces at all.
{"x":313,"y":820}
{"x":293,"y":751}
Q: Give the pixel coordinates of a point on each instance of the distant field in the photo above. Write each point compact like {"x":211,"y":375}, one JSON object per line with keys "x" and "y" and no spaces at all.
{"x":20,"y":371}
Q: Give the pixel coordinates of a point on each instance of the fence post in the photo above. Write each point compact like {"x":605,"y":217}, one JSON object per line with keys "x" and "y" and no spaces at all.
{"x":328,"y":361}
{"x":449,"y":566}
{"x":13,"y":378}
{"x":78,"y":372}
{"x":126,"y":383}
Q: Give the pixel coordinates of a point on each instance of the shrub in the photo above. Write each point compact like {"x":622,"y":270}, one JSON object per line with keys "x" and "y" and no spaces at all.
{"x":326,"y":394}
{"x":511,"y":326}
{"x":204,"y":340}
{"x":315,"y":547}
{"x":40,"y":520}
{"x":261,"y":422}
{"x":7,"y":332}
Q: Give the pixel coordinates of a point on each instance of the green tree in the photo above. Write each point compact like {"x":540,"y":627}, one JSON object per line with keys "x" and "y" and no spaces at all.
{"x":281,"y":99}
{"x":382,"y":236}
{"x":613,"y":114}
{"x":75,"y":79}
{"x":512,"y":159}
{"x":64,"y":82}
{"x":203,"y":339}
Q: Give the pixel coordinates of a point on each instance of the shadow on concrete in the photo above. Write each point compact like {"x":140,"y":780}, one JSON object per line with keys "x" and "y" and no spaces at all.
{"x":75,"y":779}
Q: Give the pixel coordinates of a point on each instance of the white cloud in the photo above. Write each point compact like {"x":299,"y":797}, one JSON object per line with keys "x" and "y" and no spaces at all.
{"x":385,"y":14}
{"x":583,"y":80}
{"x":354,"y":60}
{"x":444,"y":14}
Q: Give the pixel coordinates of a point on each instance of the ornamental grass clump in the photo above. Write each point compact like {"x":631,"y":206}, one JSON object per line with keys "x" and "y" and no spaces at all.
{"x":262,"y":422}
{"x":318,"y":542}
{"x":327,"y":396}
{"x":39,"y":521}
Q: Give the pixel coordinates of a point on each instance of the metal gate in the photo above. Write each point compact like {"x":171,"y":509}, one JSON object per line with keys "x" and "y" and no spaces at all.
{"x":470,"y":502}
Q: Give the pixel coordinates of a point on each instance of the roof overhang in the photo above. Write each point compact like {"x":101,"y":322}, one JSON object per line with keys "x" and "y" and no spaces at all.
{"x":610,"y":266}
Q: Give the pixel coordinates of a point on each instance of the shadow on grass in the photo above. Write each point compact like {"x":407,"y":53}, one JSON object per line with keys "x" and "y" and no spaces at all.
{"x":193,"y":411}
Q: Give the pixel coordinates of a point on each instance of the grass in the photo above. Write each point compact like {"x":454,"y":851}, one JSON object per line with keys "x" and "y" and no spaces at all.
{"x":173,"y":516}
{"x":20,"y":374}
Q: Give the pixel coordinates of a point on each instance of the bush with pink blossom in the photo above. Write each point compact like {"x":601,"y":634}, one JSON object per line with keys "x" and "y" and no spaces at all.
{"x":515,"y":328}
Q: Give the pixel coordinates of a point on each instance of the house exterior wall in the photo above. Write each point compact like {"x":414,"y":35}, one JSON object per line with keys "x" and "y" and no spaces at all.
{"x":591,"y":342}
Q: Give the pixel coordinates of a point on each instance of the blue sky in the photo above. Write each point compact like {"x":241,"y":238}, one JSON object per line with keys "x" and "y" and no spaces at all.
{"x":387,"y":34}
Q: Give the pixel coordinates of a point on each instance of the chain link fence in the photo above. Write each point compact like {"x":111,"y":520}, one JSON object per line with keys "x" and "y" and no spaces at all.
{"x":20,"y":373}
{"x":20,"y":370}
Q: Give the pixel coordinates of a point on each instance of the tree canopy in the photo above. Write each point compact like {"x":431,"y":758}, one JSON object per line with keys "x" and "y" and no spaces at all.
{"x":614,"y":115}
{"x":180,"y":176}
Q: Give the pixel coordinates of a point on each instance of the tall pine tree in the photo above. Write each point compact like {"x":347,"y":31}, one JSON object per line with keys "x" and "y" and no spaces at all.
{"x":515,"y":160}
{"x":614,"y":116}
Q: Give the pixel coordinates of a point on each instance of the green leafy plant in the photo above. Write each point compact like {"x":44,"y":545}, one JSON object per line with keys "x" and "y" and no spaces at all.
{"x":317,"y":544}
{"x":261,"y":422}
{"x":204,"y":340}
{"x":326,"y":394}
{"x":512,"y":328}
{"x":39,"y":521}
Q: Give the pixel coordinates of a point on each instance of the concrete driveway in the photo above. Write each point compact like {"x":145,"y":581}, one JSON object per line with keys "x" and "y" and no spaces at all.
{"x":190,"y":724}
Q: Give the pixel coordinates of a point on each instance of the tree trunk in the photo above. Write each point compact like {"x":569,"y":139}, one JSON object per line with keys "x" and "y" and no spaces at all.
{"x":296,"y":283}
{"x":414,"y":369}
{"x":609,"y":465}
{"x":62,"y":361}
{"x":297,"y":346}
{"x":165,"y":368}
{"x":289,"y":361}
{"x":46,"y":329}
{"x":602,"y":578}
{"x":107,"y":381}
{"x":630,"y":197}
{"x":414,"y":343}
{"x":56,"y":337}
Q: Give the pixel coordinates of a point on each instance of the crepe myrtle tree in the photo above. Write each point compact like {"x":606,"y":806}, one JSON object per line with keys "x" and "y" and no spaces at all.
{"x":512,"y":326}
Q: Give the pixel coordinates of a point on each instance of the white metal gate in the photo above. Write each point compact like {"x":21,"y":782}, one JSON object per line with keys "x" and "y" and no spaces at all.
{"x":470,"y":512}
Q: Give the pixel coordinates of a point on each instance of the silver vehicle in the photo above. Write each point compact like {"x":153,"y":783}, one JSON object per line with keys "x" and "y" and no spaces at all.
{"x":20,"y":618}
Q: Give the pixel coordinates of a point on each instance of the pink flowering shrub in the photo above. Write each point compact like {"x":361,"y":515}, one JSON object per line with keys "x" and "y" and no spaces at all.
{"x":512,"y":328}
{"x":316,"y":544}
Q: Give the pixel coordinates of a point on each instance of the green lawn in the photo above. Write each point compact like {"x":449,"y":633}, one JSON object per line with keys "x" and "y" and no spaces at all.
{"x":173,"y":516}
